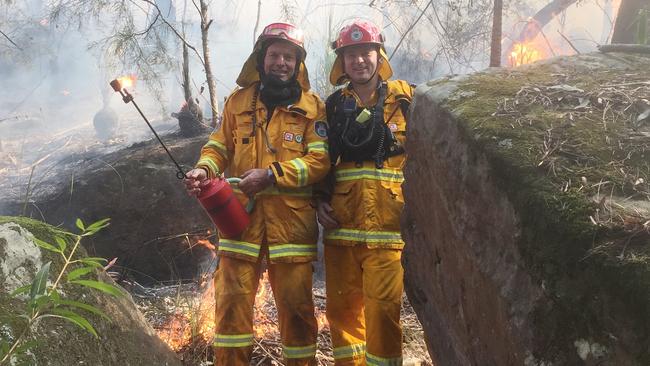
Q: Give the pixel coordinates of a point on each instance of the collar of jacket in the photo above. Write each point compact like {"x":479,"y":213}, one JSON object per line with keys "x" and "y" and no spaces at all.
{"x":241,"y":101}
{"x":397,"y":89}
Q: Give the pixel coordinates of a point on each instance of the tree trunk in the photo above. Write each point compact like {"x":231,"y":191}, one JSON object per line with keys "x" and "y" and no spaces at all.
{"x":212,"y":88}
{"x":542,"y":17}
{"x":625,"y":27}
{"x":187,"y":93}
{"x":257,"y":20}
{"x":495,"y":49}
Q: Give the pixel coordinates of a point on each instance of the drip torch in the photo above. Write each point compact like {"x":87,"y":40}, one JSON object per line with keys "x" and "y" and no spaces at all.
{"x":217,"y":197}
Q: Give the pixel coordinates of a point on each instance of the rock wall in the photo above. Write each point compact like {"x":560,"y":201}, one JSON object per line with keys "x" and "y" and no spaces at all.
{"x":513,"y":256}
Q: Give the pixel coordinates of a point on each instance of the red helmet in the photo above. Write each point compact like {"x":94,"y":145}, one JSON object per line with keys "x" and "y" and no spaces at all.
{"x":285,"y":31}
{"x":358,"y":32}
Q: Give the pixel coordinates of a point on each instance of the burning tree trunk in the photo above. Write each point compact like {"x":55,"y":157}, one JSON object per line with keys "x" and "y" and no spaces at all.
{"x":495,"y":49}
{"x":625,"y":28}
{"x":538,"y":21}
{"x":543,"y":17}
{"x":205,"y":25}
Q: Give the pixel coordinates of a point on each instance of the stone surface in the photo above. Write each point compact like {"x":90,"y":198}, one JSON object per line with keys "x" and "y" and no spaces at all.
{"x":514,"y":254}
{"x":137,"y":188}
{"x":125,"y":338}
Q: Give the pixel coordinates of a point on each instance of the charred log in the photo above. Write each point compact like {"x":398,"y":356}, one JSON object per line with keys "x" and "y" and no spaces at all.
{"x":190,"y":120}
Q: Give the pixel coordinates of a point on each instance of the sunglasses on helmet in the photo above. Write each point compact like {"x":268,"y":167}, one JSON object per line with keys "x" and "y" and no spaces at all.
{"x":281,"y":30}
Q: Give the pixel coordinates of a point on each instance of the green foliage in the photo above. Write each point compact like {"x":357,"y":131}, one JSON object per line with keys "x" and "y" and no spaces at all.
{"x":98,"y":285}
{"x":44,"y":300}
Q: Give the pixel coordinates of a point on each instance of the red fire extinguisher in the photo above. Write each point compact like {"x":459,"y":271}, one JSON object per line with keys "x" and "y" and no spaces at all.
{"x":225,"y":210}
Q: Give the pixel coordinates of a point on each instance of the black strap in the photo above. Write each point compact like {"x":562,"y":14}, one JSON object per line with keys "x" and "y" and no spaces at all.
{"x":404,"y":105}
{"x":378,"y":120}
{"x":331,"y":101}
{"x":351,"y":111}
{"x":341,"y":114}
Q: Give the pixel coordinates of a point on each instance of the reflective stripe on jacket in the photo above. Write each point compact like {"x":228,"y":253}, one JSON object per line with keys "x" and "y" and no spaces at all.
{"x":283,"y":216}
{"x":367,"y":201}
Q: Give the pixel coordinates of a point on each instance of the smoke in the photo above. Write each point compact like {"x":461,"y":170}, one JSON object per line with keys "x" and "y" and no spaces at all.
{"x":54,"y":80}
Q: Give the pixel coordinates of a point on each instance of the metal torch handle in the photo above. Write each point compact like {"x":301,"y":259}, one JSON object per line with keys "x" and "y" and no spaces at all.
{"x":127,"y":97}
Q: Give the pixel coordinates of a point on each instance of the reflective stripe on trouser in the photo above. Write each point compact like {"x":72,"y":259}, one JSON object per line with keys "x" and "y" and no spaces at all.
{"x":364,"y":295}
{"x":372,"y":360}
{"x":236,"y":282}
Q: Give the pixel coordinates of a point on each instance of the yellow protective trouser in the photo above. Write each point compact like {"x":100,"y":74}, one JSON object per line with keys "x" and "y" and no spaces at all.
{"x":236,"y":283}
{"x":364,"y":297}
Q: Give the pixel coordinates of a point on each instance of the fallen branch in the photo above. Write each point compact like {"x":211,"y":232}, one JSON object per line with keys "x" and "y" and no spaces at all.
{"x":622,"y":47}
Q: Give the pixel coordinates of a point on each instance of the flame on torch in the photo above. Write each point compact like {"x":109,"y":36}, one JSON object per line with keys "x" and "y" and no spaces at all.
{"x":127,"y":81}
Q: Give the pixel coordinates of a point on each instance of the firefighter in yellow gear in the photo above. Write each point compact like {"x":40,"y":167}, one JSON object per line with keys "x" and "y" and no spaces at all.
{"x":274,"y":136}
{"x":360,"y":204}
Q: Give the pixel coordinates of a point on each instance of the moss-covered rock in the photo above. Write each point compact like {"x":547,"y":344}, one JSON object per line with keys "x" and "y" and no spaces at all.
{"x":123,"y":339}
{"x":538,"y":177}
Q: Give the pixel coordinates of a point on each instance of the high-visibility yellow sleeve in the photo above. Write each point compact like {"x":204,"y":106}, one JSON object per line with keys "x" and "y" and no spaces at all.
{"x":216,"y":153}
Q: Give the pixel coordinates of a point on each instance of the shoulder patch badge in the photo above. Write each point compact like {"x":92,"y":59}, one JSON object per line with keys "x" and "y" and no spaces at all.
{"x":320,"y":127}
{"x":298,"y":138}
{"x":288,"y":136}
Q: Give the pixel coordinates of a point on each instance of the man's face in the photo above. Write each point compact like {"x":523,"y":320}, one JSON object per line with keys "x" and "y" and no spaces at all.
{"x":360,"y":62}
{"x":280,"y":60}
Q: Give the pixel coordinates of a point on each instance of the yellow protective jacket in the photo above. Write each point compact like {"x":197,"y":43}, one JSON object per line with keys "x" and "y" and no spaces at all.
{"x":367,"y":201}
{"x":283,"y":216}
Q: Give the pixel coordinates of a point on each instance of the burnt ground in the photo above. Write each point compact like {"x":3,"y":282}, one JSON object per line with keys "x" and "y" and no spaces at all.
{"x":182,"y":316}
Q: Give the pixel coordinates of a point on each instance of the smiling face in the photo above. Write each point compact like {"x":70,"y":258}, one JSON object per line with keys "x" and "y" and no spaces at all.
{"x":360,"y":62}
{"x":280,"y":60}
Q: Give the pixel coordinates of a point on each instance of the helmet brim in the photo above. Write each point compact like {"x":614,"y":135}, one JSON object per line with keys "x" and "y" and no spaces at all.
{"x":249,"y":73}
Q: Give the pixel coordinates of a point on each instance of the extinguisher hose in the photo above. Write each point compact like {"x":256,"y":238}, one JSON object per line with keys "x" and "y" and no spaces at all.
{"x":251,"y":200}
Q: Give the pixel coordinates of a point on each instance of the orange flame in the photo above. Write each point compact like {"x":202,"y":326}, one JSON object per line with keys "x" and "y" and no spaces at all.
{"x":524,"y":53}
{"x":263,"y":324}
{"x":195,"y":320}
{"x":323,"y":324}
{"x":190,"y":321}
{"x":127,"y":81}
